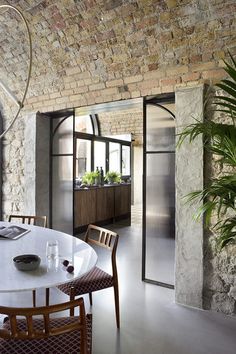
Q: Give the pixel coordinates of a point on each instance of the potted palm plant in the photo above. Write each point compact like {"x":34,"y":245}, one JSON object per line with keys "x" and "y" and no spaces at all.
{"x":219,"y":138}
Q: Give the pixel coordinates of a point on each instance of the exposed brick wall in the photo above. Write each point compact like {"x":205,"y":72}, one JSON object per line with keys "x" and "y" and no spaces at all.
{"x":123,"y":122}
{"x":89,"y":51}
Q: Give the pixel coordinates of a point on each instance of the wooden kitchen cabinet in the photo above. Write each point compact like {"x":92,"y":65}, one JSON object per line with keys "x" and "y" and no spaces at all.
{"x":105,"y":203}
{"x":84,"y":207}
{"x":122,"y":200}
{"x":101,"y":205}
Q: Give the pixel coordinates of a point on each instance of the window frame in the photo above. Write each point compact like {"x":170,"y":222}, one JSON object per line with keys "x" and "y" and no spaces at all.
{"x":93,"y":138}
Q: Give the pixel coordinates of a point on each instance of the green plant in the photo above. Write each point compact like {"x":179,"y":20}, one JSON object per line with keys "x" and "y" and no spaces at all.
{"x":219,"y":195}
{"x":90,"y":177}
{"x":113,"y":177}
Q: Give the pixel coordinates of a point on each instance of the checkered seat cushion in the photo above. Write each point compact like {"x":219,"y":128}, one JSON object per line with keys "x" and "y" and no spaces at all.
{"x":95,"y":280}
{"x":67,"y":343}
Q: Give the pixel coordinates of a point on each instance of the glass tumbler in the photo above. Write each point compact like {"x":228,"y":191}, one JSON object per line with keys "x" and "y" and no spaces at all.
{"x":52,"y":250}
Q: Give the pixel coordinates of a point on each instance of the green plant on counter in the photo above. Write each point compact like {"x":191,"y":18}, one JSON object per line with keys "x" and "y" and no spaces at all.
{"x":113,"y":177}
{"x":90,"y":177}
{"x":219,"y":195}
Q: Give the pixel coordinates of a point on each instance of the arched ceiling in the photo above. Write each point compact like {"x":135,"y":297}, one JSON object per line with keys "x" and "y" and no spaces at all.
{"x":70,"y":33}
{"x":104,"y":39}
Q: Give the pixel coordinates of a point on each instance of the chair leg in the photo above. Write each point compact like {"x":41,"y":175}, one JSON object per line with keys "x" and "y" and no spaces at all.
{"x":116,"y":295}
{"x":34,"y":297}
{"x":47,"y":296}
{"x":72,"y":297}
{"x":90,"y":299}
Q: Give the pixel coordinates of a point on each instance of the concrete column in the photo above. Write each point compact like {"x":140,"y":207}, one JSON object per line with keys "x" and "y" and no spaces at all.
{"x":29,"y":167}
{"x":37,"y":165}
{"x":189,"y":177}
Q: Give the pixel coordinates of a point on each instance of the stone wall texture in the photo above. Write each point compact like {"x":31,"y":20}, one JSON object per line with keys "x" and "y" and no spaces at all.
{"x":219,"y":267}
{"x":92,"y":51}
{"x":13,"y":187}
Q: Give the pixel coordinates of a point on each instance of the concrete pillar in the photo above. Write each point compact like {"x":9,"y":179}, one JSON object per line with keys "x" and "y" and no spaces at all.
{"x":37,"y":165}
{"x":29,"y":167}
{"x":189,"y":177}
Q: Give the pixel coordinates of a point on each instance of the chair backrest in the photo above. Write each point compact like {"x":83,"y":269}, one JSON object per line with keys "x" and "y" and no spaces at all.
{"x":104,"y":238}
{"x":47,"y":329}
{"x":29,"y":219}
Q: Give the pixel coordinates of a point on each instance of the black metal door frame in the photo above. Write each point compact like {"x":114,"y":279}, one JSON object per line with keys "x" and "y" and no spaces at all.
{"x":157,"y":101}
{"x":64,"y":114}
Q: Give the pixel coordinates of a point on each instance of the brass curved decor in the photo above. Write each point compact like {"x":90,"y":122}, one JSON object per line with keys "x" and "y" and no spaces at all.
{"x":19,"y":103}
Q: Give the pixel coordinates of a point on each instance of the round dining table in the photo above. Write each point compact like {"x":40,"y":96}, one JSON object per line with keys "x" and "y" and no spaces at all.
{"x":51,"y":272}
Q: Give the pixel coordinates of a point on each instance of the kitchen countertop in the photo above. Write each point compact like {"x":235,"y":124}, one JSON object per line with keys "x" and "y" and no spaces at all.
{"x":101,"y":186}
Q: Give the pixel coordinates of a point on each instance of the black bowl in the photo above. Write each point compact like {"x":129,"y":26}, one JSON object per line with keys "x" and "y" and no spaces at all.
{"x":27,"y":261}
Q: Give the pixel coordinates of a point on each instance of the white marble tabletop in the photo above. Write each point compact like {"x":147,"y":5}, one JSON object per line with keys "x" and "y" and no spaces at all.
{"x":49,"y":273}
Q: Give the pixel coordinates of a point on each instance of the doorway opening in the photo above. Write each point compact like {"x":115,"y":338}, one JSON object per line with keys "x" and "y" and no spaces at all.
{"x":150,"y":125}
{"x":76,"y":149}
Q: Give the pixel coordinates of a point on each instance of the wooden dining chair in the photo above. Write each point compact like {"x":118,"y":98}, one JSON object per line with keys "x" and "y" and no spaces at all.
{"x":23,"y":333}
{"x":32,"y":220}
{"x":97,"y":279}
{"x":29,"y":219}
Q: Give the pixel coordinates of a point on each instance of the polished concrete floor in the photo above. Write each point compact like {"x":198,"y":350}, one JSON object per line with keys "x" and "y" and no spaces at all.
{"x":151,"y":322}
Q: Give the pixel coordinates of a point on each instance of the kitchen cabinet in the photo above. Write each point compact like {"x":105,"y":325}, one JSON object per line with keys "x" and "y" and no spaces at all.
{"x":101,"y":205}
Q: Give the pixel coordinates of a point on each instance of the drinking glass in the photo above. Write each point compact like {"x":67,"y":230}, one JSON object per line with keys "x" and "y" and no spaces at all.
{"x":52,"y":264}
{"x":52,"y":250}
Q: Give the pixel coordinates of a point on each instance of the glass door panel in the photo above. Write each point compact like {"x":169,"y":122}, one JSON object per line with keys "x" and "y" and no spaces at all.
{"x":62,"y":195}
{"x":114,"y":157}
{"x":160,"y":220}
{"x":159,"y":202}
{"x":160,"y":128}
{"x":63,"y":136}
{"x":100,"y":155}
{"x":125,"y":160}
{"x":83,"y":157}
{"x":62,"y":174}
{"x":83,"y":124}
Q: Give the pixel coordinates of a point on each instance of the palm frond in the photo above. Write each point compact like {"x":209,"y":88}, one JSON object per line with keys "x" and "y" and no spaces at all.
{"x":219,"y":196}
{"x":205,"y":210}
{"x":227,"y":89}
{"x":224,"y":98}
{"x":230,"y":107}
{"x":193,"y":196}
{"x":225,"y":148}
{"x":230,"y":70}
{"x":232,"y":59}
{"x":227,"y":231}
{"x":229,"y":83}
{"x":218,"y":133}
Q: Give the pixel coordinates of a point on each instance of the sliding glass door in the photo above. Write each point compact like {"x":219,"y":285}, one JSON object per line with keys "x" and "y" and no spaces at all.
{"x":159,"y":193}
{"x":62,"y":174}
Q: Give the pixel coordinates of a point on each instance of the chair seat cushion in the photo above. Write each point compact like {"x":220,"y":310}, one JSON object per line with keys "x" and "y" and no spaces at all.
{"x":95,"y":280}
{"x":63,"y":343}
